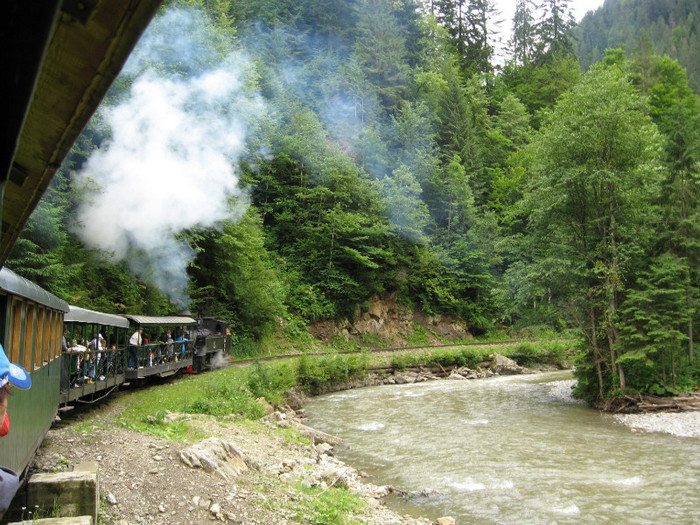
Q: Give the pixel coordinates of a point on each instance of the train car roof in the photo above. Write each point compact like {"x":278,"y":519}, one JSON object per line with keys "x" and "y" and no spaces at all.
{"x":145,"y":320}
{"x":83,"y":315}
{"x":59,"y":59}
{"x":18,"y":285}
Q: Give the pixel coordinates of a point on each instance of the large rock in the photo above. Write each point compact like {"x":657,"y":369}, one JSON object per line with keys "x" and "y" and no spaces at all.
{"x":405,"y":377}
{"x":503,"y":365}
{"x":215,"y":455}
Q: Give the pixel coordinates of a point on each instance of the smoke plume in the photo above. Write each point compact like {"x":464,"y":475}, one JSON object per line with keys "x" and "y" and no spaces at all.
{"x":170,"y":162}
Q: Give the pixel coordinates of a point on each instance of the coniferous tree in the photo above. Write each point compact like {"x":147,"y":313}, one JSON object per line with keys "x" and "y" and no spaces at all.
{"x":380,"y":49}
{"x":676,"y":111}
{"x":466,"y":23}
{"x":522,"y":44}
{"x":555,"y":28}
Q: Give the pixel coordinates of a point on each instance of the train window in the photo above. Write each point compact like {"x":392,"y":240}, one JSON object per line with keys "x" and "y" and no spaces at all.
{"x":39,"y":349}
{"x":57,"y":324}
{"x":16,"y":332}
{"x":50,"y":332}
{"x":28,"y":337}
{"x":49,"y":336}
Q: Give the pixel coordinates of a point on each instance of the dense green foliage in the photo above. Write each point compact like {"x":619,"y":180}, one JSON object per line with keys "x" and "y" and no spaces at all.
{"x":386,"y":153}
{"x":672,"y":27}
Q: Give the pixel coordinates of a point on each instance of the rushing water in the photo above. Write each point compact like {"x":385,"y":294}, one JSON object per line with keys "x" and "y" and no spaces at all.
{"x":507,"y":451}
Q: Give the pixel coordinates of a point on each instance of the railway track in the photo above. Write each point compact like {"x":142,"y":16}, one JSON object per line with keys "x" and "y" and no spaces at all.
{"x":376,"y":350}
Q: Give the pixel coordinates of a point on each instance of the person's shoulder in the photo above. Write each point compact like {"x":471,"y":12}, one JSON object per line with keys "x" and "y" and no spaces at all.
{"x":9,"y":483}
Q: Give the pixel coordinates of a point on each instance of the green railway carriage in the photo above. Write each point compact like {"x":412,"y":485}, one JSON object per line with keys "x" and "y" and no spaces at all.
{"x":156,"y":357}
{"x":91,"y":373}
{"x":31,"y":328}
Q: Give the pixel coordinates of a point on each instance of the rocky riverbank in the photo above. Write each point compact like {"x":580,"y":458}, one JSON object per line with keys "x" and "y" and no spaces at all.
{"x":272,"y":471}
{"x":681,"y":424}
{"x":677,"y":423}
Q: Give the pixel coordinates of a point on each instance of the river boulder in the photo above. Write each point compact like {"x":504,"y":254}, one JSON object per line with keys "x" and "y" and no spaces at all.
{"x":503,"y":365}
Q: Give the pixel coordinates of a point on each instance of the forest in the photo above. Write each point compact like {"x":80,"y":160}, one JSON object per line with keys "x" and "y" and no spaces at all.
{"x":278,"y":163}
{"x":672,"y":28}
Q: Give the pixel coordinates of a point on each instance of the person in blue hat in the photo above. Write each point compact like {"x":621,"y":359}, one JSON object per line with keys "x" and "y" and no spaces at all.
{"x":11,"y":375}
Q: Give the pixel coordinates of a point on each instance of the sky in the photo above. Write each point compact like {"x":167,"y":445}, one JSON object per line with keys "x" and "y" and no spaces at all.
{"x":580,"y":7}
{"x":507,"y":9}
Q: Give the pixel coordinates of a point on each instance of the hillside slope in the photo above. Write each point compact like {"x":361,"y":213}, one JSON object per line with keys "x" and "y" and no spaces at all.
{"x":673,"y":27}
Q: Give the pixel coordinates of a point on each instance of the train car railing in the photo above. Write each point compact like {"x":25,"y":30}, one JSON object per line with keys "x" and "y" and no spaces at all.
{"x":160,"y":359}
{"x":87,"y":373}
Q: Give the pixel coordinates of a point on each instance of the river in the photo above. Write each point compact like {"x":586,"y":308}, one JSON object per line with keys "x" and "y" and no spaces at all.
{"x":506,"y":450}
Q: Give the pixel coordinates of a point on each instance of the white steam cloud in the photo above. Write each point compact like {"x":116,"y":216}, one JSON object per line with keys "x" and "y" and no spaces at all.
{"x":170,"y":163}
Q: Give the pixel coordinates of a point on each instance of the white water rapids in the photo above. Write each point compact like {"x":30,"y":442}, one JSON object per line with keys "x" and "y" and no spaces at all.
{"x":511,"y":450}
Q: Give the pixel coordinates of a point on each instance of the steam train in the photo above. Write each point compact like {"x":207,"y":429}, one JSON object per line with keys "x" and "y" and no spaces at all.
{"x":60,"y":59}
{"x":96,"y":358}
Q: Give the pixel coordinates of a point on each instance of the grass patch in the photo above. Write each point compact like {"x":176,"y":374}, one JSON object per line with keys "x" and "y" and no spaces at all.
{"x":271,"y":381}
{"x":314,"y":374}
{"x":546,"y":352}
{"x":87,"y":427}
{"x":418,"y":337}
{"x":373,"y":340}
{"x":332,"y":506}
{"x":218,"y":393}
{"x":450,"y":357}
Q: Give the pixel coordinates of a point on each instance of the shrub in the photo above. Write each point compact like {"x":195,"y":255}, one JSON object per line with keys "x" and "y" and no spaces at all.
{"x":418,"y":337}
{"x":403,"y":361}
{"x":314,"y":374}
{"x":270,"y":381}
{"x":469,"y":357}
{"x":221,"y":398}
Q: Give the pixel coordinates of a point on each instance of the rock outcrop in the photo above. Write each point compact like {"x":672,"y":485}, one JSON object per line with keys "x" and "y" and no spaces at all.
{"x":391,"y":321}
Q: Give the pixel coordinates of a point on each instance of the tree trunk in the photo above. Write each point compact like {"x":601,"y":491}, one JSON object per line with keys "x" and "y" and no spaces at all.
{"x":663,"y":366}
{"x":689,"y":301}
{"x":673,"y":368}
{"x":613,"y":278}
{"x":688,"y":281}
{"x":597,"y":353}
